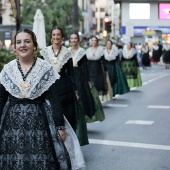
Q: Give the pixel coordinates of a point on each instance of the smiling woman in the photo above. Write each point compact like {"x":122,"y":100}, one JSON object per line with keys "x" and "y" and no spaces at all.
{"x":26,"y":116}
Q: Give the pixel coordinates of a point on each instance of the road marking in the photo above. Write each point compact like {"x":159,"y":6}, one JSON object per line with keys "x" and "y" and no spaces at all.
{"x":129,"y":144}
{"x":115,"y":105}
{"x":158,"y":107}
{"x":139,"y":122}
{"x":149,"y":81}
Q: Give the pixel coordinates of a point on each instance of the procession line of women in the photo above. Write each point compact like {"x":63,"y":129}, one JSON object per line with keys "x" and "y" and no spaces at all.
{"x":45,"y":105}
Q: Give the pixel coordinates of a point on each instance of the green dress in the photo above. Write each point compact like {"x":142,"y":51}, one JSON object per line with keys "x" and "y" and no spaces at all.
{"x":99,"y":113}
{"x":130,"y":67}
{"x":116,"y":75}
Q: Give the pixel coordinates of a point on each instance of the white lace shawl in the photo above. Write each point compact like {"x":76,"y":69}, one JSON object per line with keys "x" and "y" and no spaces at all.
{"x":63,"y":57}
{"x":77,"y":56}
{"x":166,"y":47}
{"x":41,"y":77}
{"x":145,"y":49}
{"x":155,"y":47}
{"x":112,"y":55}
{"x":128,"y":54}
{"x":96,"y":55}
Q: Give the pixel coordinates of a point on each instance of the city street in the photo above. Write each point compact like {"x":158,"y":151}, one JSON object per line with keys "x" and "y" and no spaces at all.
{"x":135,"y":134}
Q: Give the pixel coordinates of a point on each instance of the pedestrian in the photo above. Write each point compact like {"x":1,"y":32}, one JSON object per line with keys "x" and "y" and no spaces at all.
{"x":116,"y":75}
{"x":166,"y":55}
{"x":97,"y":70}
{"x":29,"y":138}
{"x":156,"y":55}
{"x":145,"y":56}
{"x":61,"y":60}
{"x":86,"y":105}
{"x":97,"y":77}
{"x":130,"y":66}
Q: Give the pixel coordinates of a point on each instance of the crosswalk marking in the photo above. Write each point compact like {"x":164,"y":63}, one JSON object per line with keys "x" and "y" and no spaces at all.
{"x":139,"y":122}
{"x":129,"y":144}
{"x":158,"y":107}
{"x":115,"y":105}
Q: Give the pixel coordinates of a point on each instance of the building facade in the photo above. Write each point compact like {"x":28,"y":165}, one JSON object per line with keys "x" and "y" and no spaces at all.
{"x":143,"y":21}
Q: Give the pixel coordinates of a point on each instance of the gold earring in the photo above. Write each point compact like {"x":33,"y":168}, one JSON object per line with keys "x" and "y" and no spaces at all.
{"x":35,"y":52}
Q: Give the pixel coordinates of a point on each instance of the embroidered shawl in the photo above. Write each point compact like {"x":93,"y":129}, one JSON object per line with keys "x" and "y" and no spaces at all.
{"x":41,"y":77}
{"x":94,"y":55}
{"x":62,"y":58}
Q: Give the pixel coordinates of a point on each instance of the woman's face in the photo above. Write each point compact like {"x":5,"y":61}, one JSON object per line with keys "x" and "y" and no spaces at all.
{"x":129,"y":46}
{"x":74,"y":40}
{"x":108,"y":45}
{"x":24,"y":45}
{"x":56,"y":37}
{"x":94,"y":42}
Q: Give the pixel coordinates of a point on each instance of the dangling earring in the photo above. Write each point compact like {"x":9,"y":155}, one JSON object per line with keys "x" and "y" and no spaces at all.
{"x":35,"y":52}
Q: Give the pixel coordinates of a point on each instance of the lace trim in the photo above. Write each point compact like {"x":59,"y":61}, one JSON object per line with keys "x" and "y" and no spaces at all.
{"x":77,"y":56}
{"x":155,"y":47}
{"x":145,"y":49}
{"x":58,"y":62}
{"x":128,"y":54}
{"x":98,"y":53}
{"x":166,"y":47}
{"x":112,"y":55}
{"x":39,"y":80}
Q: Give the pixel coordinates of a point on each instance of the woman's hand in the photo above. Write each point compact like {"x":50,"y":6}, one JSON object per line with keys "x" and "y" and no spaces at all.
{"x":90,"y":85}
{"x":62,"y":134}
{"x":77,"y":95}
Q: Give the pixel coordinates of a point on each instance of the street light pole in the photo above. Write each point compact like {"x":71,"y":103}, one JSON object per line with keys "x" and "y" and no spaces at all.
{"x":113,"y":18}
{"x":75,"y":16}
{"x":18,"y":23}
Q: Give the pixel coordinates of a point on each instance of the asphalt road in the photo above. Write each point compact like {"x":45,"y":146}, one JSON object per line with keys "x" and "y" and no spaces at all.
{"x":136,"y":132}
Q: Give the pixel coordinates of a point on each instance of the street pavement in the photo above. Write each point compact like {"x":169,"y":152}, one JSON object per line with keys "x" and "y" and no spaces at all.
{"x":136,"y":132}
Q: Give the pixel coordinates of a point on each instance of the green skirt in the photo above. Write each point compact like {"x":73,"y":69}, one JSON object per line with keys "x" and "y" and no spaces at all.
{"x":121,"y":86}
{"x":135,"y":82}
{"x":99,"y":113}
{"x":81,"y":127}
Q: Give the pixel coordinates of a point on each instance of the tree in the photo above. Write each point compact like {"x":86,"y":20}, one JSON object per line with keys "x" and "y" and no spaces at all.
{"x":56,"y":13}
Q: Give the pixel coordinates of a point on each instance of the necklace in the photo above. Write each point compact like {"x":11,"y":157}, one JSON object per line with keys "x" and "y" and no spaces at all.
{"x":56,"y":58}
{"x":74,"y":54}
{"x":25,"y":84}
{"x":20,"y":68}
{"x":93,"y":52}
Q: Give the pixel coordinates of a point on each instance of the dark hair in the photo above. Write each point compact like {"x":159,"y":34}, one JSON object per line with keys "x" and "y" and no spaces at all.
{"x":28,"y":31}
{"x":75,"y":34}
{"x":96,"y":38}
{"x":57,"y":28}
{"x":109,"y":41}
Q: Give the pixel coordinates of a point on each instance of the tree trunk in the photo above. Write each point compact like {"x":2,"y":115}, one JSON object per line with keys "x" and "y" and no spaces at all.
{"x":75,"y":16}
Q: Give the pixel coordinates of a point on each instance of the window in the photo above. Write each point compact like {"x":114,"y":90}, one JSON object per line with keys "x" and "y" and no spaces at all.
{"x":139,"y":11}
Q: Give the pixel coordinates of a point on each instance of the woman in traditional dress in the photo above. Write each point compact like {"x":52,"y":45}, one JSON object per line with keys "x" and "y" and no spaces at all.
{"x":116,"y":75}
{"x":130,"y":66}
{"x":98,"y":70}
{"x":61,"y":60}
{"x":97,"y":78}
{"x":29,"y":138}
{"x":92,"y":106}
{"x":166,"y":55}
{"x":156,"y":55}
{"x":145,"y":56}
{"x":86,"y":103}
